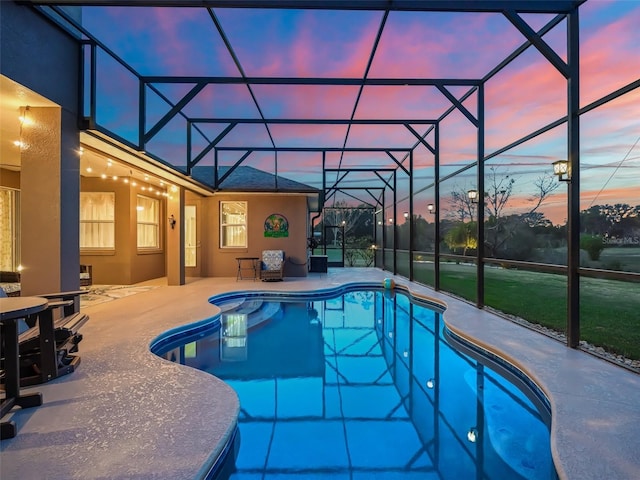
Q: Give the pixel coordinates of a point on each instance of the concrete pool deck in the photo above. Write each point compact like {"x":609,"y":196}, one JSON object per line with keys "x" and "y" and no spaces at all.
{"x":126,"y":413}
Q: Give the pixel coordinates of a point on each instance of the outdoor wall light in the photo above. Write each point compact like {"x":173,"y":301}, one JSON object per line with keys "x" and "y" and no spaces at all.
{"x":472,"y":434}
{"x":172,"y":222}
{"x":406,"y":214}
{"x":473,"y":196}
{"x":432,"y":209}
{"x":561,"y":168}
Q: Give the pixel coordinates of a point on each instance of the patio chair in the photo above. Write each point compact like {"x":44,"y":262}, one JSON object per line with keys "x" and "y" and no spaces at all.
{"x":10,"y":283}
{"x":86,"y":275}
{"x":272,"y":265}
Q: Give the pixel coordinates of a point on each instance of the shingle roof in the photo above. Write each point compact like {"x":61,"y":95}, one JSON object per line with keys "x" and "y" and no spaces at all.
{"x":249,"y":179}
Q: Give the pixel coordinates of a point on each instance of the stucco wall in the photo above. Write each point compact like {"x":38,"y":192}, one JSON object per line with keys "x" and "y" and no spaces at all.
{"x":38,"y":55}
{"x":221,"y":262}
{"x":10,"y":178}
{"x":124,"y":265}
{"x":46,"y":60}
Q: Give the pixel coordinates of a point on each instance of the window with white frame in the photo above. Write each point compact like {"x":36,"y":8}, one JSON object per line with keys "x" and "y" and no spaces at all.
{"x":233,"y":224}
{"x":148,"y":210}
{"x":97,"y":220}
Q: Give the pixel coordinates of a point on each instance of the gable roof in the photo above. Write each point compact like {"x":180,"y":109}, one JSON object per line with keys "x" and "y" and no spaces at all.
{"x":248,"y":179}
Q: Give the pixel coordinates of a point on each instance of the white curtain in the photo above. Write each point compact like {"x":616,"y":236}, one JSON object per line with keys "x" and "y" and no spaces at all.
{"x":148,"y":222}
{"x":233,"y":224}
{"x":97,"y":220}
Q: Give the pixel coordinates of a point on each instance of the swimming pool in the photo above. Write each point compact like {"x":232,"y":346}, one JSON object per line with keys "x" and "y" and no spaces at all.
{"x":364,"y":383}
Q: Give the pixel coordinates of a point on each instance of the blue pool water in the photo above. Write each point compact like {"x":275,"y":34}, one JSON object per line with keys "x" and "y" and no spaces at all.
{"x":365,"y":385}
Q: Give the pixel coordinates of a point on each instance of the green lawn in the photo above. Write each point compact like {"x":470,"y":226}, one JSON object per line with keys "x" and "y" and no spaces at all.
{"x":625,"y":258}
{"x":608,"y":308}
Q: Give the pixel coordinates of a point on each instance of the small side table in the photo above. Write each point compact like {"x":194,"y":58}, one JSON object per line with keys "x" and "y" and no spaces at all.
{"x":247,"y":264}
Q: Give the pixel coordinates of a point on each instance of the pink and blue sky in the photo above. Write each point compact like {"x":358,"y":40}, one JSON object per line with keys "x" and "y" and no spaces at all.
{"x":526,"y":95}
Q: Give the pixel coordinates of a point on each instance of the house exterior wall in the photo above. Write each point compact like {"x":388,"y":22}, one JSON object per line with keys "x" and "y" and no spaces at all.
{"x":44,"y":59}
{"x":9,"y":178}
{"x":40,"y":56}
{"x":221,"y":262}
{"x":124,"y":265}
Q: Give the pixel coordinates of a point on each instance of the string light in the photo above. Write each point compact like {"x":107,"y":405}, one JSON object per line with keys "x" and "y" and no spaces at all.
{"x":163,"y":190}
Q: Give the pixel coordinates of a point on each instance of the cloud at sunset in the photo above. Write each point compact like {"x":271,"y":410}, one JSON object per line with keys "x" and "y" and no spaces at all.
{"x":300,"y":43}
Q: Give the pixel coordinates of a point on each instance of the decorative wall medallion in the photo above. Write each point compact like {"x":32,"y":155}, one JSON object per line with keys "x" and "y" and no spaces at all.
{"x":276,"y":226}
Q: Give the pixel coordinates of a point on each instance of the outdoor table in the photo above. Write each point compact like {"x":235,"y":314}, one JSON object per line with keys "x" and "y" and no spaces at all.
{"x":12,"y":309}
{"x":252,"y":267}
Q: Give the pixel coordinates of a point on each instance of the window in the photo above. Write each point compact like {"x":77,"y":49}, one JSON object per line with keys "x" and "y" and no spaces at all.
{"x":190,"y":238}
{"x":9,"y":229}
{"x":97,"y":220}
{"x":233,"y":224}
{"x":148,"y":222}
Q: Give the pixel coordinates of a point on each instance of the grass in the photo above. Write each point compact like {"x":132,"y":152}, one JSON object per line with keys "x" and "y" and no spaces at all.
{"x":628,"y":258}
{"x":608,"y":308}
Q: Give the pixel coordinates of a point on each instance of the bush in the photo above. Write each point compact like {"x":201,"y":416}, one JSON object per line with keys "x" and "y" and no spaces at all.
{"x":593,"y":244}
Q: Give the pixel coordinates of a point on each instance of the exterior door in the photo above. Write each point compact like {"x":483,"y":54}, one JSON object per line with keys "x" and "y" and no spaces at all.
{"x":334,"y":245}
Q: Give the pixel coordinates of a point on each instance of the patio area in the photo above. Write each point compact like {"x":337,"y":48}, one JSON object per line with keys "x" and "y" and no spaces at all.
{"x":126,"y":413}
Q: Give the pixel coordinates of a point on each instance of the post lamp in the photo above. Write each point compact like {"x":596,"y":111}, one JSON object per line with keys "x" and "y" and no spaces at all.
{"x":431,"y":208}
{"x":406,"y":214}
{"x":473,"y":196}
{"x":562,"y":168}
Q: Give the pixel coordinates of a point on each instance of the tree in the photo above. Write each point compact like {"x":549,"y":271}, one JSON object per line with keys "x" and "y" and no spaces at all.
{"x":461,"y":206}
{"x":463,"y":235}
{"x":498,"y":192}
{"x":593,"y":244}
{"x":500,"y":229}
{"x":620,"y":220}
{"x":545,"y":186}
{"x":356,"y":221}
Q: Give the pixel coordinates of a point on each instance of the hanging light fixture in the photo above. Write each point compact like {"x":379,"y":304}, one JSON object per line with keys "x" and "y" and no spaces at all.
{"x":562,"y":168}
